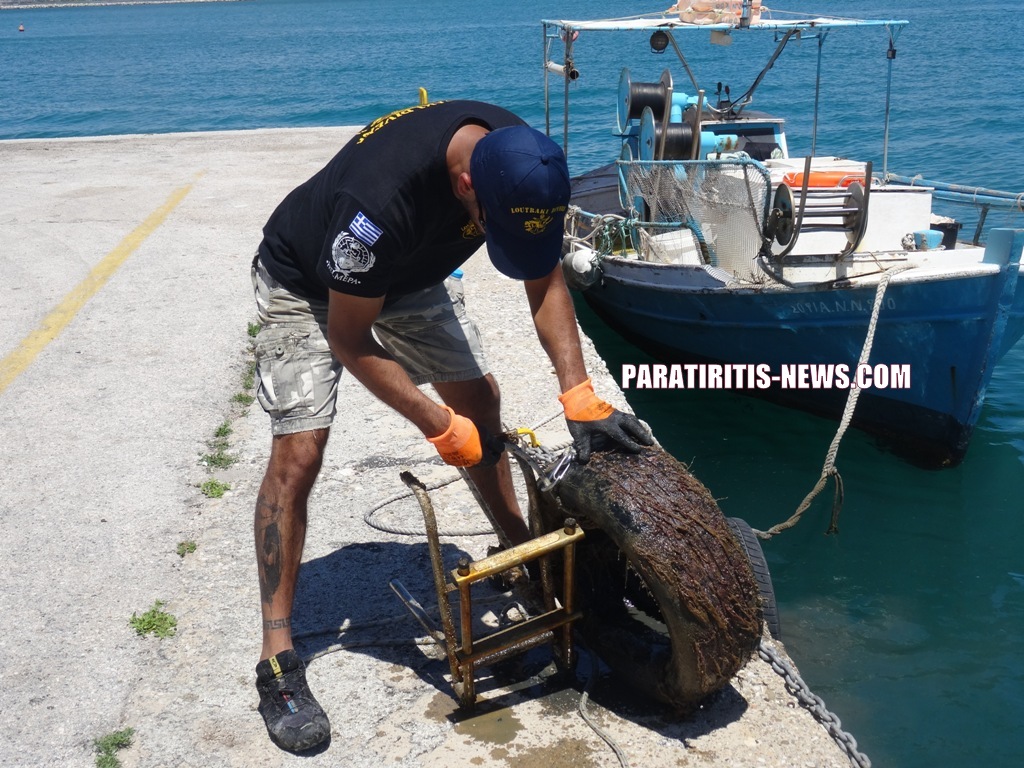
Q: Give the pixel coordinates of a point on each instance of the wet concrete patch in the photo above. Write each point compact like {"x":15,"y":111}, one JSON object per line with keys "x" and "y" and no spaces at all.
{"x":571,"y":753}
{"x":498,"y":727}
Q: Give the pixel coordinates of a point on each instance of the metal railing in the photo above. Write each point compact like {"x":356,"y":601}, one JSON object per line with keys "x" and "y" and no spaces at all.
{"x":980,"y":199}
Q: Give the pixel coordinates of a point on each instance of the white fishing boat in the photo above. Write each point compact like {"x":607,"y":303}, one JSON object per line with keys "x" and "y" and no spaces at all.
{"x":794,"y":278}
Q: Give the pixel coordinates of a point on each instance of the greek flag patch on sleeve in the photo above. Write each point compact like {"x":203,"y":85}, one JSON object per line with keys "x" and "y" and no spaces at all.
{"x":365,"y":229}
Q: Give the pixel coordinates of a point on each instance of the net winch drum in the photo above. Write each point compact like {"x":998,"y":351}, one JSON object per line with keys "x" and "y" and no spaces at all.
{"x":841,"y":207}
{"x":783,"y":215}
{"x":635,"y":97}
{"x":664,"y":140}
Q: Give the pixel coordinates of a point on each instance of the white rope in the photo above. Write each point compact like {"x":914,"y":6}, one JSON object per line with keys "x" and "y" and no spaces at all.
{"x":829,"y":468}
{"x":600,"y":225}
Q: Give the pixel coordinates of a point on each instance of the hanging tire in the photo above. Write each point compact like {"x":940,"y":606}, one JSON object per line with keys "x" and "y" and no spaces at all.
{"x":752,"y":546}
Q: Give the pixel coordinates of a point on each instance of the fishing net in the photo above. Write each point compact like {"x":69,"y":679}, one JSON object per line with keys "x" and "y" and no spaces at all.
{"x":698,"y":212}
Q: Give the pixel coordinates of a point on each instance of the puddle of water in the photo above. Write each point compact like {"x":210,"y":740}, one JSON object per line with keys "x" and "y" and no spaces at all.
{"x":498,"y":727}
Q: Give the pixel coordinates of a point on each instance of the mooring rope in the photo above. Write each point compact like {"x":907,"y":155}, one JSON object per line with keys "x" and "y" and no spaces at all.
{"x":829,"y":468}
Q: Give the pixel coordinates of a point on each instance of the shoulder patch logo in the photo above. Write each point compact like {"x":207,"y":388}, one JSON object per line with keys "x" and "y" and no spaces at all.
{"x":365,"y":229}
{"x":349,"y":256}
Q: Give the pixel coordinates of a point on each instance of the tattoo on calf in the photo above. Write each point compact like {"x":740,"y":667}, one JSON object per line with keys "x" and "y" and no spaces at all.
{"x":284,"y":623}
{"x":268,"y":549}
{"x":267,"y":510}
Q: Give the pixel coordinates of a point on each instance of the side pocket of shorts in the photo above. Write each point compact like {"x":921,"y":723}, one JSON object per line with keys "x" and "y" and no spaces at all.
{"x":285,"y":368}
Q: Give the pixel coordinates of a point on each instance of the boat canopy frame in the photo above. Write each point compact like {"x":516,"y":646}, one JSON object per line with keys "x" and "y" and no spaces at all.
{"x":782,"y":25}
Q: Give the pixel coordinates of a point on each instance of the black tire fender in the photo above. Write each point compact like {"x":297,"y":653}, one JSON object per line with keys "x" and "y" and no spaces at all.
{"x":752,"y":546}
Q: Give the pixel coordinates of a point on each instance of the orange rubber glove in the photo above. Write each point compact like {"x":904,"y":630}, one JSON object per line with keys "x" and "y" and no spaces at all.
{"x":464,"y":444}
{"x":582,"y":404}
{"x":593,"y":422}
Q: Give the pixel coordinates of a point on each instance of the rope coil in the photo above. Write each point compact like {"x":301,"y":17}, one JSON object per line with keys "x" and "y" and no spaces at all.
{"x":540,"y":458}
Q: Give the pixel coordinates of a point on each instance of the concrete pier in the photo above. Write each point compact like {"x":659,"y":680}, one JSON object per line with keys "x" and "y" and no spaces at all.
{"x":123,"y":346}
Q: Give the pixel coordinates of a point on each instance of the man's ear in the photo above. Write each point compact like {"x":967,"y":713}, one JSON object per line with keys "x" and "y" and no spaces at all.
{"x":464,"y":185}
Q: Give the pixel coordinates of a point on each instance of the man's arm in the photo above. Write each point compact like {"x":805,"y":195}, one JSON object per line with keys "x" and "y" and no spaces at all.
{"x":349,"y":331}
{"x":592,"y":422}
{"x":555,"y":320}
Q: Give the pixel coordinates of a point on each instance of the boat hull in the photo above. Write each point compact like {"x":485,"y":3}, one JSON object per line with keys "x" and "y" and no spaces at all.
{"x":949,"y":332}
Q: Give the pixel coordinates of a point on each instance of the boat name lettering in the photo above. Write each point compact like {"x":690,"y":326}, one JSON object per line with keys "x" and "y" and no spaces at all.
{"x":837,"y":306}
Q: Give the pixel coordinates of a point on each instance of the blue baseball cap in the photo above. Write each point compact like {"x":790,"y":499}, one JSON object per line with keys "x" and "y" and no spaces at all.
{"x":522,"y":185}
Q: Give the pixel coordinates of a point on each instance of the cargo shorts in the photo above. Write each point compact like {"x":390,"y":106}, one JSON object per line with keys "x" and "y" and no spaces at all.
{"x":428,"y":333}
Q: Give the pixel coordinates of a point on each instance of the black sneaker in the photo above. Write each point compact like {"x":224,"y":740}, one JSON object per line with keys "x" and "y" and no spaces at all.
{"x":294,"y":718}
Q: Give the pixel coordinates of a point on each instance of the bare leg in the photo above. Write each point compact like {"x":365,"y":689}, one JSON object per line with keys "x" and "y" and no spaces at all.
{"x":280,"y":529}
{"x":480,"y":400}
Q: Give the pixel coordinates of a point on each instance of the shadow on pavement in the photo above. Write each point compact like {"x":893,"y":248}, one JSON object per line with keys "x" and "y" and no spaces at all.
{"x":351,"y":585}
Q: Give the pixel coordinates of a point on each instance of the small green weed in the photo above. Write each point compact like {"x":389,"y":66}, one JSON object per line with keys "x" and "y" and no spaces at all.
{"x":108,"y":746}
{"x":155,"y":621}
{"x":254,"y":329}
{"x":214,"y":489}
{"x":219,"y":458}
{"x":243,"y":399}
{"x":249,"y":377}
{"x":186,"y":548}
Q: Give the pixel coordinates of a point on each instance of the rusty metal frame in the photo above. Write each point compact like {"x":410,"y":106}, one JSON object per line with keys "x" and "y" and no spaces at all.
{"x":465,"y":653}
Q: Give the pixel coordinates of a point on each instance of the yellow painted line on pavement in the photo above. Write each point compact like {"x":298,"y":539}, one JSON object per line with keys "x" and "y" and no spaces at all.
{"x":21,"y":358}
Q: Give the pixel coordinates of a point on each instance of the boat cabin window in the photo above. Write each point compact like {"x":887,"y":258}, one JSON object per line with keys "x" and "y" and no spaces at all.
{"x":760,"y":142}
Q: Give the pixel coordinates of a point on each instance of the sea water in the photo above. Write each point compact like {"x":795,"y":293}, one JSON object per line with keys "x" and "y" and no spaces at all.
{"x":909,"y":621}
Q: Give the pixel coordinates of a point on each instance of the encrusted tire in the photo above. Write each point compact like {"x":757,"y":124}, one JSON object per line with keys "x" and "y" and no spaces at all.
{"x":752,"y":546}
{"x":658,"y":547}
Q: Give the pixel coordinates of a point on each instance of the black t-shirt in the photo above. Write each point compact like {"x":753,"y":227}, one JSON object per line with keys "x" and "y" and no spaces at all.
{"x":380,"y":218}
